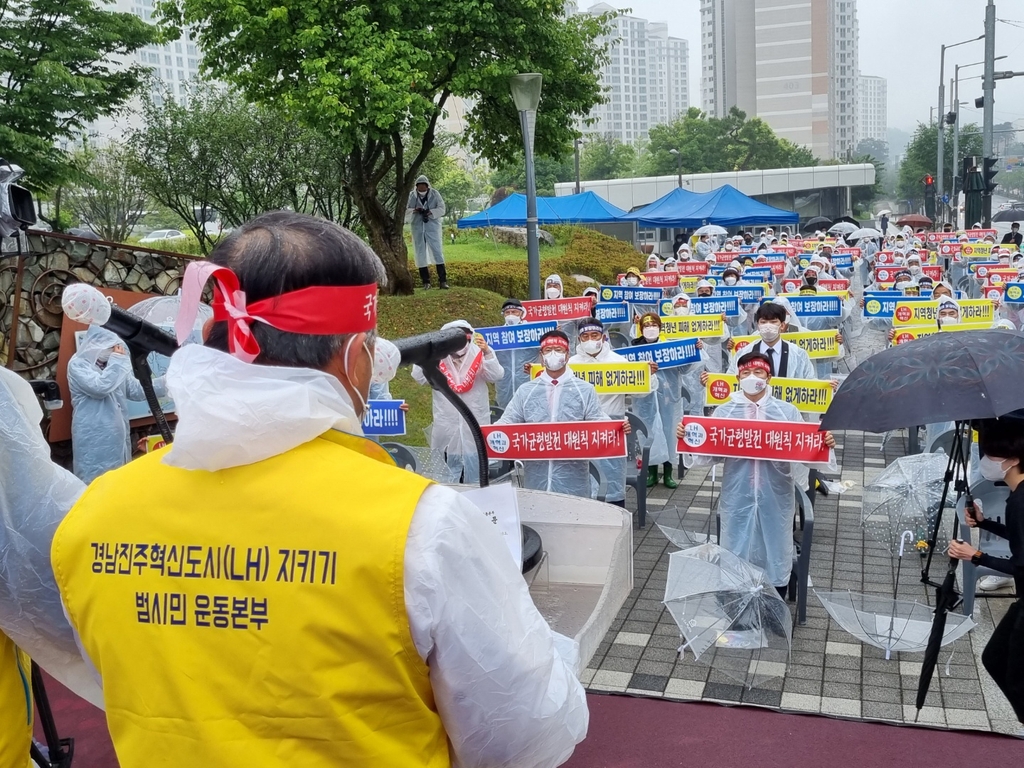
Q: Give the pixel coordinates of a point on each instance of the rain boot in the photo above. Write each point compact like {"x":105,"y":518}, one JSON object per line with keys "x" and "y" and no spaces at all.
{"x":652,"y":476}
{"x":669,"y":482}
{"x":425,"y":277}
{"x":442,"y":276}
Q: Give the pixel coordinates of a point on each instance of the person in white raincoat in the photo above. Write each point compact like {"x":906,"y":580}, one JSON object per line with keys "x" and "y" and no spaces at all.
{"x":713,"y":345}
{"x":101,"y":382}
{"x":512,"y":360}
{"x":555,"y":396}
{"x":423,"y":213}
{"x":758,"y":498}
{"x":823,"y":368}
{"x":788,"y":360}
{"x":594,"y":348}
{"x":553,"y":287}
{"x":469,"y":371}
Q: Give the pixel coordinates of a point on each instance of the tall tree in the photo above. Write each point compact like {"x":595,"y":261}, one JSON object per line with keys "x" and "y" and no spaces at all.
{"x":110,"y":198}
{"x":920,"y":159}
{"x":380,"y":75}
{"x":713,"y":144}
{"x":875,"y":149}
{"x":549,"y":171}
{"x":606,"y":158}
{"x":57,"y":75}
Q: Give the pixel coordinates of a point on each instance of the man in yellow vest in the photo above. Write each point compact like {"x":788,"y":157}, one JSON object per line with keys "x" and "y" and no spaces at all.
{"x":271,"y":590}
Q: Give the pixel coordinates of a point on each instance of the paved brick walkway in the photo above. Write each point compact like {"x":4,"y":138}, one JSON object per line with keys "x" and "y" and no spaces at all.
{"x":829,"y":671}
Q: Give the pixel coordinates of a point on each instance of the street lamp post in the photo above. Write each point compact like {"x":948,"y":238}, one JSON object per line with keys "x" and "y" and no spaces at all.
{"x":940,"y":161}
{"x":679,"y":165}
{"x":576,"y":146}
{"x":526,"y":95}
{"x":957,"y":168}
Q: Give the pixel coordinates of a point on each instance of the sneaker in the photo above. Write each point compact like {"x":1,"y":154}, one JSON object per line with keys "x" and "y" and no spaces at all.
{"x":426,"y":286}
{"x":444,"y":286}
{"x":991,"y":583}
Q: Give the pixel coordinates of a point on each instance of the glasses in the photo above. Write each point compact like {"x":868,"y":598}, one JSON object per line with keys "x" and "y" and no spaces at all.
{"x":591,"y":336}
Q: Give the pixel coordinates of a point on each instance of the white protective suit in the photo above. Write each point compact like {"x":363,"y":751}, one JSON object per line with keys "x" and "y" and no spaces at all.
{"x":758,"y":498}
{"x":512,"y":361}
{"x":100,"y":433}
{"x":614,"y":470}
{"x":426,"y":235}
{"x":799,"y":366}
{"x":450,"y":433}
{"x":35,"y":495}
{"x":524,"y":706}
{"x":541,"y":401}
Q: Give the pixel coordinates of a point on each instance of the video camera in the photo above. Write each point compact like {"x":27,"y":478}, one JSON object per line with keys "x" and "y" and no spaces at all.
{"x":17,"y":210}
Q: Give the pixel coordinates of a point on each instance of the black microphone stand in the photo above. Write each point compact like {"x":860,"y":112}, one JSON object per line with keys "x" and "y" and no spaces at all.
{"x":439,"y":383}
{"x":140,"y":366}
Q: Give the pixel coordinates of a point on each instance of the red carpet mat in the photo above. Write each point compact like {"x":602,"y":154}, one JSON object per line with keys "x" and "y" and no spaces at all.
{"x":627,"y":732}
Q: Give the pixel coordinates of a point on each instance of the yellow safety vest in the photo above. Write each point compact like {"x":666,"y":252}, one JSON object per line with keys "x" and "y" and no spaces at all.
{"x":253,"y":616}
{"x":15,"y":705}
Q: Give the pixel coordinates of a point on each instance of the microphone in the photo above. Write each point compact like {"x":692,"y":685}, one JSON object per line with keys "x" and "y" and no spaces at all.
{"x":84,"y":304}
{"x":428,"y":348}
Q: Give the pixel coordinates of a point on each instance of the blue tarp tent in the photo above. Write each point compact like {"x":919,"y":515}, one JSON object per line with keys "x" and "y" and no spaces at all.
{"x":725,"y":206}
{"x":584,"y":208}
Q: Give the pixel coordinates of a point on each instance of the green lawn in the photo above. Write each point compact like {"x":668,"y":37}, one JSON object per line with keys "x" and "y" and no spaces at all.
{"x":474,"y":245}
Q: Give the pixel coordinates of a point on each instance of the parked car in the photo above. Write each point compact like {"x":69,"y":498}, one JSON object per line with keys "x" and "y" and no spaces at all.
{"x":160,"y":235}
{"x":83,"y":232}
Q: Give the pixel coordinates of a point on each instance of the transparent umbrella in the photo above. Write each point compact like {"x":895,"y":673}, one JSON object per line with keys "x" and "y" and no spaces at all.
{"x":711,"y":229}
{"x":857,"y":234}
{"x":889,"y":624}
{"x":843,"y":227}
{"x":730,"y":615}
{"x":905,"y":496}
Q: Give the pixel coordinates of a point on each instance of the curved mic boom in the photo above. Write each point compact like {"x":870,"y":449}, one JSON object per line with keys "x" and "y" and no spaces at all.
{"x":84,"y":304}
{"x":428,"y":348}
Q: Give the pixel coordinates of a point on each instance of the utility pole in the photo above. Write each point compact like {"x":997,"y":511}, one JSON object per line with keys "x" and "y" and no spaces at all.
{"x":576,"y":145}
{"x":989,"y":87}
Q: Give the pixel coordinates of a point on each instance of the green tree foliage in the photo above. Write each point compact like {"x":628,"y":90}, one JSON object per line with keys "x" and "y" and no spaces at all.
{"x":549,"y":170}
{"x":376,"y":74}
{"x":607,"y":158}
{"x":875,"y":149}
{"x":920,"y":158}
{"x":57,"y":76}
{"x":109,"y":198}
{"x":712,"y":145}
{"x":219,"y":153}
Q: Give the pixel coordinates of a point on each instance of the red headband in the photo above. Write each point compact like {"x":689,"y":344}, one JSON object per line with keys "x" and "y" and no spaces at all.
{"x":755,"y":363}
{"x":555,"y":341}
{"x":317,"y":310}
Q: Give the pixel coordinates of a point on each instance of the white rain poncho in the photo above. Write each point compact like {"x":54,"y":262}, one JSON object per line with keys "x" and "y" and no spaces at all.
{"x":648,"y":409}
{"x":613,"y":470}
{"x":426,"y":235}
{"x":553,"y":281}
{"x":758,"y":498}
{"x":799,"y":367}
{"x":100,"y":434}
{"x":541,"y":401}
{"x":35,"y":495}
{"x":512,"y":362}
{"x":450,"y":433}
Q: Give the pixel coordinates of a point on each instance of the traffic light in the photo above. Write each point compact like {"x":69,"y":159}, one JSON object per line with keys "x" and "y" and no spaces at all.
{"x":989,"y":174}
{"x":929,"y":196}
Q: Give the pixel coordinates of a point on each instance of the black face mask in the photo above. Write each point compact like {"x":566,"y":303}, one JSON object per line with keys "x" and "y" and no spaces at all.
{"x":704,"y":295}
{"x":811,"y":279}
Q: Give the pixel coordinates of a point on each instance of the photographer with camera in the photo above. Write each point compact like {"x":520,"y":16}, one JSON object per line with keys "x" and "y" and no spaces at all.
{"x":424,"y":212}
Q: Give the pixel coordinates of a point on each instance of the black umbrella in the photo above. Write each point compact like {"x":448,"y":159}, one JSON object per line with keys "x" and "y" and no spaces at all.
{"x":945,"y":599}
{"x":1010,"y":214}
{"x":818,"y":222}
{"x":943,"y":377}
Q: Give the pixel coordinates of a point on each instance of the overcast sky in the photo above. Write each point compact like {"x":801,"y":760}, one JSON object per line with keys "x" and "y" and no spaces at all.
{"x":899,"y":41}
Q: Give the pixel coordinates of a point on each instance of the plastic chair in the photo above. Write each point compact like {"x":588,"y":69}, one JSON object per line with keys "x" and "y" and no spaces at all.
{"x":602,"y":484}
{"x":993,"y":503}
{"x":637,"y":449}
{"x":618,"y":340}
{"x":803,"y":537}
{"x":402,"y":454}
{"x":687,"y":399}
{"x":942,"y":442}
{"x":496,"y":413}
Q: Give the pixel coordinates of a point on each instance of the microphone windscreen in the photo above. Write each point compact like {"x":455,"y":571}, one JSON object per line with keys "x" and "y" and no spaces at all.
{"x":85,"y":304}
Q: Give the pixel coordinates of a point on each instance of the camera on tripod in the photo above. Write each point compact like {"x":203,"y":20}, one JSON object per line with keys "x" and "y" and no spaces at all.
{"x":17,"y":210}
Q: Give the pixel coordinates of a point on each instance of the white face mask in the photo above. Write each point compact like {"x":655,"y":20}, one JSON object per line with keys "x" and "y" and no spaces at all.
{"x":554,"y":292}
{"x":591,"y":347}
{"x":752,"y":385}
{"x":386,"y":359}
{"x":682,"y":309}
{"x":769,"y":332}
{"x":949,"y":320}
{"x":513,"y":319}
{"x":992,"y":469}
{"x":652,"y":333}
{"x":554,"y":361}
{"x":914,"y":269}
{"x":730,"y":280}
{"x":461,"y":353}
{"x":632,"y":282}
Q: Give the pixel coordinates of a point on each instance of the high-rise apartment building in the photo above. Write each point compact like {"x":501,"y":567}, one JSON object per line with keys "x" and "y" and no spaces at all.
{"x":645,"y":80}
{"x":872,"y":109}
{"x":791,"y":63}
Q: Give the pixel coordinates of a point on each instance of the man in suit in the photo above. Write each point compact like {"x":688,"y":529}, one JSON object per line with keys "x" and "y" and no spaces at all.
{"x":1013,"y":237}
